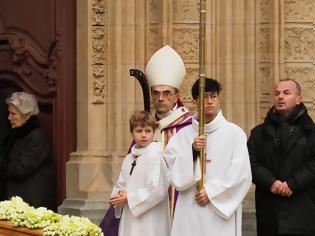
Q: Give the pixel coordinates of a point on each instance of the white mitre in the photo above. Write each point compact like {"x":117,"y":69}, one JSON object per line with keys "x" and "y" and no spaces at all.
{"x":165,"y":67}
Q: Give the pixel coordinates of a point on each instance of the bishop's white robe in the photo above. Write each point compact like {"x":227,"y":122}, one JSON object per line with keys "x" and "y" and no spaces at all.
{"x":227,"y":179}
{"x":147,"y":211}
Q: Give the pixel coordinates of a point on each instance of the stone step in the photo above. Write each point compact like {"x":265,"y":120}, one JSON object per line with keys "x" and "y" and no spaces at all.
{"x":249,"y":217}
{"x":249,"y":222}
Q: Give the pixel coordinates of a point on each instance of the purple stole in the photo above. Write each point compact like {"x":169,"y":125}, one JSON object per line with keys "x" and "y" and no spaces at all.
{"x":175,"y":126}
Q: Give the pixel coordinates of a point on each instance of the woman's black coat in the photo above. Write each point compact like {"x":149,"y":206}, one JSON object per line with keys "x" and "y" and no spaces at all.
{"x":295,"y":164}
{"x":4,"y":122}
{"x":27,"y":166}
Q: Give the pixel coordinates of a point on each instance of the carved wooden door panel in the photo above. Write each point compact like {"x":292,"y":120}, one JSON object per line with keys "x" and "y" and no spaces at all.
{"x":37,"y":55}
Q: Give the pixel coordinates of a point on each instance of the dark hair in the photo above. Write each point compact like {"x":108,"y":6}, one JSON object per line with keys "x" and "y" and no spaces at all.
{"x":141,"y":119}
{"x":297,"y":85}
{"x":211,"y":85}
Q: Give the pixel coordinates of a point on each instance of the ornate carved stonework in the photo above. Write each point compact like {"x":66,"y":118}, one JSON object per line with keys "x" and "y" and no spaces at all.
{"x":98,"y":71}
{"x":264,"y":76}
{"x":299,"y":11}
{"x":154,"y":40}
{"x":299,"y":44}
{"x":186,"y":43}
{"x":185,"y":39}
{"x":98,"y":8}
{"x":98,"y":44}
{"x":265,"y":83}
{"x":154,"y":10}
{"x":265,"y":90}
{"x":30,"y":61}
{"x":186,"y":10}
{"x":263,"y":54}
{"x":264,"y":44}
{"x":304,"y":75}
{"x":185,"y":90}
{"x":264,"y":11}
{"x":99,"y":50}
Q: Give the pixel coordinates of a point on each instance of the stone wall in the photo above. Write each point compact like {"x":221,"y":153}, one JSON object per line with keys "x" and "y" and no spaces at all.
{"x":249,"y":46}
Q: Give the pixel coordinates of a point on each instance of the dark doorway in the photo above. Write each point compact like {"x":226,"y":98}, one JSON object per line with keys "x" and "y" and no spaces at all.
{"x":38,"y":55}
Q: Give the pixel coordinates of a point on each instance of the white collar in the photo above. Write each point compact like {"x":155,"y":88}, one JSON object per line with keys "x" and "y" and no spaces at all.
{"x":212,"y":126}
{"x":174,"y":115}
{"x":135,"y":152}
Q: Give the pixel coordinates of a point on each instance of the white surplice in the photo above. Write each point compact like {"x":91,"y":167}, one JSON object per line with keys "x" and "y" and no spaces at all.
{"x":227,"y":179}
{"x":147,"y":211}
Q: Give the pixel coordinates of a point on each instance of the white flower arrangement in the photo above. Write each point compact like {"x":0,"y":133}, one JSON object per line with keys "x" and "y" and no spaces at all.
{"x":20,"y":214}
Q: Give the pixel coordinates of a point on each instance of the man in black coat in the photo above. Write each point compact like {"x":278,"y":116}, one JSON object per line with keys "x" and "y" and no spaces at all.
{"x":282,"y":155}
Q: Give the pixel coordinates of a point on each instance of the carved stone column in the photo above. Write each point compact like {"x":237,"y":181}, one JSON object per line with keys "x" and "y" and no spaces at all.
{"x":285,"y":40}
{"x":249,"y":45}
{"x":126,"y":47}
{"x":110,"y":42}
{"x":89,"y":170}
{"x":297,"y":44}
{"x":230,"y":58}
{"x":285,"y":49}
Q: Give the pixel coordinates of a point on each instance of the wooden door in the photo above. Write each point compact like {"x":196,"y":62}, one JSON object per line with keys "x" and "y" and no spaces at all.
{"x":37,"y":55}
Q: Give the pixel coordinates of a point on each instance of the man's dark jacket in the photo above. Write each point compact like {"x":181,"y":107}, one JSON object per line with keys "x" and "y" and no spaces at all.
{"x":284,"y":150}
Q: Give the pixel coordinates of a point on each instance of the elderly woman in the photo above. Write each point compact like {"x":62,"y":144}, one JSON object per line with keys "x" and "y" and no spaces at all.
{"x":26,"y":164}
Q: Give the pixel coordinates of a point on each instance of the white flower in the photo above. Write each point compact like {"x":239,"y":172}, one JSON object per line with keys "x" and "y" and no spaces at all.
{"x":19,"y":213}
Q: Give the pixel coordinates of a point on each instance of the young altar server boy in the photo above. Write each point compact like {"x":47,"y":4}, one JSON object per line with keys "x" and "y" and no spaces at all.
{"x":140,"y":194}
{"x":215,"y":209}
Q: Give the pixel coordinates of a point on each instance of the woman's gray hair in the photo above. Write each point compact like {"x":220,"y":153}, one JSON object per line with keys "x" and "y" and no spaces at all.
{"x":26,"y":103}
